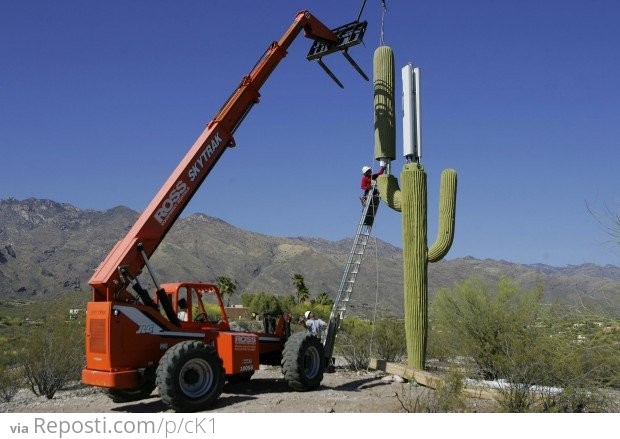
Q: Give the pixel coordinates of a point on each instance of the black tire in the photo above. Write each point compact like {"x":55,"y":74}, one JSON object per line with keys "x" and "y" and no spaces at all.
{"x":303,"y":361}
{"x":190,"y":376}
{"x":130,"y":395}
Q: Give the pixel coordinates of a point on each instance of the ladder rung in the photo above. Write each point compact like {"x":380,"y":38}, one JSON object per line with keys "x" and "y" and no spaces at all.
{"x":352,"y":267}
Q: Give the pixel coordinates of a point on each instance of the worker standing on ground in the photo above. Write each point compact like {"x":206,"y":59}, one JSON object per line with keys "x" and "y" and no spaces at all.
{"x":314,"y":325}
{"x":367,"y":179}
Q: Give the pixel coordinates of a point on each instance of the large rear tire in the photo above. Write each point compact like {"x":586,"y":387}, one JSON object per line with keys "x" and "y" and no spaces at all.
{"x":303,"y":361}
{"x":190,"y":376}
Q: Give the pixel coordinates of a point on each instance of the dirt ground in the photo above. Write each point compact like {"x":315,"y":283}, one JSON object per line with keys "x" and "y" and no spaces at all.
{"x":341,"y":392}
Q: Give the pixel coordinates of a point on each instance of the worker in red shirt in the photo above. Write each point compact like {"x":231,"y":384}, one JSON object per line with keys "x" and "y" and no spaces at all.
{"x":367,"y":178}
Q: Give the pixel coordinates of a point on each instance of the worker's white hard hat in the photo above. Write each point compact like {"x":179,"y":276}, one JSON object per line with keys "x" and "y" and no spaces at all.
{"x":307,"y":314}
{"x":366,"y":169}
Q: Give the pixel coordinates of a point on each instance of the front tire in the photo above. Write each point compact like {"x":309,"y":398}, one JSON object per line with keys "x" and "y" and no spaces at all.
{"x":190,"y":376}
{"x":303,"y":361}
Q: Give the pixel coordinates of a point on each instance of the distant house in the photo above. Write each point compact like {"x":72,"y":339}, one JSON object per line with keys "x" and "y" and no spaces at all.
{"x":237,"y":312}
{"x":75,"y":312}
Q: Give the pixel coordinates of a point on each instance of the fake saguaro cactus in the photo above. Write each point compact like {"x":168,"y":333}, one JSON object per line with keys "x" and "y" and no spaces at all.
{"x":411,"y":202}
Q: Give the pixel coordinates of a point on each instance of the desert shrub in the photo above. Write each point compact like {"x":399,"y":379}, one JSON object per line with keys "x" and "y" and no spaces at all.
{"x":10,"y":321}
{"x":52,"y":354}
{"x":10,"y":381}
{"x":511,"y":335}
{"x":43,"y":348}
{"x":246,"y":299}
{"x":358,"y":340}
{"x":265,"y":303}
{"x":52,"y":358}
{"x":11,"y":375}
{"x":597,"y":350}
{"x":352,"y":343}
{"x":486,"y":322}
{"x":211,"y":309}
{"x":287,"y":303}
{"x":388,"y":340}
{"x":447,"y":396}
{"x":574,"y":400}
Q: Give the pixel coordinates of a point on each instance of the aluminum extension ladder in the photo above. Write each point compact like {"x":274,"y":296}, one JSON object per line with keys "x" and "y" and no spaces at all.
{"x":352,"y":267}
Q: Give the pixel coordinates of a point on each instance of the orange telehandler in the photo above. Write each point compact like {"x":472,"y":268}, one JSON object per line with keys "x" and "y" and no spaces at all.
{"x":136,"y":342}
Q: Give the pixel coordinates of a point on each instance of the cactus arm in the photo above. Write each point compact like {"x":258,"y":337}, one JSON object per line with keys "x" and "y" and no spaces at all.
{"x":389,"y":191}
{"x":447,"y":210}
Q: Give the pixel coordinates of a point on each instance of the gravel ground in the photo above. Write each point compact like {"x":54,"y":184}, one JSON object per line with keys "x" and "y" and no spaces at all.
{"x":340,"y":392}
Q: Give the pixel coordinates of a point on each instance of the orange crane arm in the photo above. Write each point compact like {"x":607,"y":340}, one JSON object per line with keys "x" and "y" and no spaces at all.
{"x":125,"y":259}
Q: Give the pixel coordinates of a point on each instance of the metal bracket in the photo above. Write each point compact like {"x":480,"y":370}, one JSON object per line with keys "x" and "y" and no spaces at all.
{"x":330,"y":73}
{"x":355,"y":65}
{"x":348,"y":35}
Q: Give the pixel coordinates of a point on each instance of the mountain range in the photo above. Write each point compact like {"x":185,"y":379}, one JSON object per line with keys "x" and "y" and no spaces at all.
{"x":48,"y":248}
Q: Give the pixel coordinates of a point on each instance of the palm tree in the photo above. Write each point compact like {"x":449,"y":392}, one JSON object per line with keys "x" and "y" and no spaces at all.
{"x":300,"y":286}
{"x":227,"y":287}
{"x":324,"y":299}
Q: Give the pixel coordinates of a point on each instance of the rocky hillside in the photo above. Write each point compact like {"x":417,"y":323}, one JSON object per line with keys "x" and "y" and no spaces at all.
{"x":47,"y":248}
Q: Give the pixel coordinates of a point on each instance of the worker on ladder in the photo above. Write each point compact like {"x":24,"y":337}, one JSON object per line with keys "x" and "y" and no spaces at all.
{"x":367,"y":180}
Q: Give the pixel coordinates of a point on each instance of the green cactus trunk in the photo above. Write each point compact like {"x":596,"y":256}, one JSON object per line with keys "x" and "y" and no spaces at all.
{"x":413,"y":179}
{"x":411,"y":202}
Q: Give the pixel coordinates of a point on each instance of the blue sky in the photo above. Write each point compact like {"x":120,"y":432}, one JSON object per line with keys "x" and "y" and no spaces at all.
{"x":100,"y":100}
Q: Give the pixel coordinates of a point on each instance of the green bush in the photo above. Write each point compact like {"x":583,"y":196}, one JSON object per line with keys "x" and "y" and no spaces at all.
{"x":264,"y":303}
{"x":352,"y":343}
{"x":53,"y":356}
{"x":446,"y":396}
{"x":10,"y":381}
{"x":487,"y":323}
{"x":512,"y":335}
{"x":246,"y":299}
{"x":388,"y":340}
{"x":52,"y":349}
{"x":287,"y":303}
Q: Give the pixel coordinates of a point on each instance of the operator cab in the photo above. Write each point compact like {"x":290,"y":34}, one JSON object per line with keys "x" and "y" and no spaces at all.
{"x":197,"y":304}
